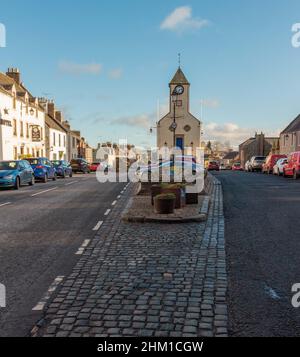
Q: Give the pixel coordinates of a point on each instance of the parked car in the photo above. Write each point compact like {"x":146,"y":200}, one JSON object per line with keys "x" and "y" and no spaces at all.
{"x":292,"y":167}
{"x":278,"y":167}
{"x":80,"y":165}
{"x":247,"y":166}
{"x":16,"y":173}
{"x":256,"y":163}
{"x":43,"y":169}
{"x":63,"y":168}
{"x":213,"y":166}
{"x":237,"y":167}
{"x":271,"y":160}
{"x":94,"y":166}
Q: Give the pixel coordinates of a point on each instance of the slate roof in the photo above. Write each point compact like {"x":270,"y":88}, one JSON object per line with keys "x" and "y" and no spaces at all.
{"x":179,"y":78}
{"x":54,"y":124}
{"x":293,"y":126}
{"x":231,"y":155}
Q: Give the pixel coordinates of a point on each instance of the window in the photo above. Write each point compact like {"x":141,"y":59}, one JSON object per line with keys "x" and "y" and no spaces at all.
{"x":59,"y":140}
{"x":27,"y":130}
{"x":64,"y":141}
{"x":15,"y":127}
{"x":73,"y":142}
{"x":54,"y":157}
{"x":28,"y":151}
{"x":42,"y":152}
{"x":15,"y":153}
{"x":21,"y":128}
{"x":54,"y":139}
{"x":42,"y":134}
{"x":22,"y":151}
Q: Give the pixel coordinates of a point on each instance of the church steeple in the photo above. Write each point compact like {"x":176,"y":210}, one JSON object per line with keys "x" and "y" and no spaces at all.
{"x":179,"y":78}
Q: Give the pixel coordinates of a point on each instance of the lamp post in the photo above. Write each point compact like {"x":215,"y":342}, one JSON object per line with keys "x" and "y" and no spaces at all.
{"x":174,"y":124}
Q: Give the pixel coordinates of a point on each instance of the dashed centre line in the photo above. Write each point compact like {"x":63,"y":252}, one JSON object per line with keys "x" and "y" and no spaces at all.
{"x":114,"y":203}
{"x":41,"y":304}
{"x":5,"y":204}
{"x":97,"y":226}
{"x":70,"y":183}
{"x":107,"y":212}
{"x":41,"y":192}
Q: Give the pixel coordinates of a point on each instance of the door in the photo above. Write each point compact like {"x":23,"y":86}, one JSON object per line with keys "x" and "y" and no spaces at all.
{"x":22,"y":172}
{"x":179,"y":143}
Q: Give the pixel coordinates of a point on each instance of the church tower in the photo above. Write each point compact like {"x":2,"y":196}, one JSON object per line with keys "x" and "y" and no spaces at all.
{"x":179,"y":127}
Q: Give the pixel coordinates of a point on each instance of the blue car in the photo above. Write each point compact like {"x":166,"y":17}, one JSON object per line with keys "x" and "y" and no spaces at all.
{"x":63,"y":168}
{"x":16,"y":173}
{"x":43,"y":169}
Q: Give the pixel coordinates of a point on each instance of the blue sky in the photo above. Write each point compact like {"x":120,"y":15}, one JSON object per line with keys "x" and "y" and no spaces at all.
{"x":107,"y":63}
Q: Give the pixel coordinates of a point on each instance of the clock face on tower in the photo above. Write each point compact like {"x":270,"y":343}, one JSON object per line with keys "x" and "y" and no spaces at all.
{"x":179,"y":90}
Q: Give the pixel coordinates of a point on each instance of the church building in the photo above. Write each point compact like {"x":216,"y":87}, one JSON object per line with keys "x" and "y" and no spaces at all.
{"x":179,"y":128}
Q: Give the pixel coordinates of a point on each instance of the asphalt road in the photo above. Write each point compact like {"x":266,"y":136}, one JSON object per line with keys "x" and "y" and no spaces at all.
{"x":41,"y":230}
{"x":262,"y":215}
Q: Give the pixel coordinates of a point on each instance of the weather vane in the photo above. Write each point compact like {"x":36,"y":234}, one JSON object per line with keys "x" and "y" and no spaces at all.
{"x":179,"y":59}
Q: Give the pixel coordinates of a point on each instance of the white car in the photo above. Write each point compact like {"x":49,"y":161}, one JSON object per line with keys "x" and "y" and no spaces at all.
{"x":247,"y":166}
{"x":278,"y":167}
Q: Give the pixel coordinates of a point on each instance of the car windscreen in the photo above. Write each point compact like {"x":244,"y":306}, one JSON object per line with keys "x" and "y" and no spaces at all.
{"x":33,"y":161}
{"x":56,"y":162}
{"x":260,"y":158}
{"x":8,"y":165}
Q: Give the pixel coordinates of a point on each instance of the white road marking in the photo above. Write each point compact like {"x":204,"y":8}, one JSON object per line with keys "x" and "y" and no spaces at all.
{"x":85,"y":243}
{"x":107,"y":212}
{"x":70,"y":183}
{"x":40,"y":193}
{"x":80,"y":251}
{"x":114,"y":203}
{"x":119,"y":197}
{"x":97,"y":226}
{"x":41,"y":304}
{"x":5,"y":204}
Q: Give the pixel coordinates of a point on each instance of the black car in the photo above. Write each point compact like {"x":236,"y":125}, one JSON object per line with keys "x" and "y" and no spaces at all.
{"x":80,"y":165}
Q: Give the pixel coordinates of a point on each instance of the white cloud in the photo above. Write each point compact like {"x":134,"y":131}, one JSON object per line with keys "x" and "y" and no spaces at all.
{"x":77,"y":69}
{"x":227,"y":132}
{"x":115,"y":73}
{"x":181,"y":19}
{"x":143,"y":121}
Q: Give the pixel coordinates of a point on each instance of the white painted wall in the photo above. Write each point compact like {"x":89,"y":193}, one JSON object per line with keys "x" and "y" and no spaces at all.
{"x":9,"y":141}
{"x":58,"y":151}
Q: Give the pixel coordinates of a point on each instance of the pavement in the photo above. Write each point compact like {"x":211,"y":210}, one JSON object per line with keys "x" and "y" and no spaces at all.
{"x":44,"y":231}
{"x":262,"y":228}
{"x":134,"y":279}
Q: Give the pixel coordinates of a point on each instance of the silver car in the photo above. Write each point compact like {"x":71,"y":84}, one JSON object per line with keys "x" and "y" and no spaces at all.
{"x":256,"y":163}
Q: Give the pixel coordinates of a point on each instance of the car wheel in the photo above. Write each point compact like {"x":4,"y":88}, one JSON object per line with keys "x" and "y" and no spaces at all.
{"x":71,"y":174}
{"x":54,"y":177}
{"x":45,"y":179}
{"x":32,"y":182}
{"x":64,"y":175}
{"x":17,"y":183}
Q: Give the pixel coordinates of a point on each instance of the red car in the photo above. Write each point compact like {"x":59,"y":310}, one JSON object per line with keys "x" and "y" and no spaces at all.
{"x":292,"y":168}
{"x":237,"y":167}
{"x":213,"y":166}
{"x":94,"y":166}
{"x":271,"y":160}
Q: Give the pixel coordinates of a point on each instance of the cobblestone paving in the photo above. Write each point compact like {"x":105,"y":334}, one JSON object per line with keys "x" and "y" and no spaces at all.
{"x":147,"y":280}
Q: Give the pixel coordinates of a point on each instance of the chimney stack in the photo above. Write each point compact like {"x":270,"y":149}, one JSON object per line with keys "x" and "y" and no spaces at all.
{"x":51,"y":109}
{"x":58,"y":116}
{"x":15,"y":74}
